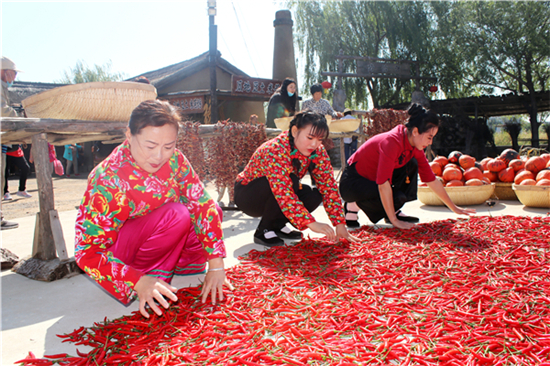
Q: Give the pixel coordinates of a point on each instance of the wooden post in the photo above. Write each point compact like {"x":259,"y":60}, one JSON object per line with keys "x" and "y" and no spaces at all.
{"x":44,"y":245}
{"x":213,"y":53}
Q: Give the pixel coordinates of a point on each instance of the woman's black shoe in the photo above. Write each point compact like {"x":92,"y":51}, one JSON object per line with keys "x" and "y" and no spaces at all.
{"x":402,"y":217}
{"x":286,"y":233}
{"x":351,"y":214}
{"x":268,"y":238}
{"x":353,"y":224}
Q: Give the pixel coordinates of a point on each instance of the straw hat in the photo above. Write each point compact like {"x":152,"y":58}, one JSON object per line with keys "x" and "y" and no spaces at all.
{"x":8,"y":64}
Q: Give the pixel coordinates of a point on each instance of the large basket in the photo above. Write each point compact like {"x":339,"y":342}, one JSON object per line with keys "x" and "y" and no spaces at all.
{"x":345,"y":125}
{"x":504,"y":191}
{"x":283,"y":122}
{"x":533,"y":196}
{"x":461,"y":196}
{"x":97,"y":101}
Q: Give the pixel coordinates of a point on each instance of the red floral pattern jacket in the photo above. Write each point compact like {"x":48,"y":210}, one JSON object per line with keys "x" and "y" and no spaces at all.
{"x":273,"y":159}
{"x":118,"y":190}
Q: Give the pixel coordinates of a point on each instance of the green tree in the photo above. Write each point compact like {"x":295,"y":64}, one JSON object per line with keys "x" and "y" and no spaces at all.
{"x":472,"y":47}
{"x":382,"y":29}
{"x":81,"y":73}
{"x":495,"y":45}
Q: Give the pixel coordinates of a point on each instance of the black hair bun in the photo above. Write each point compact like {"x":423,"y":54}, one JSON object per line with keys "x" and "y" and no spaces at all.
{"x":416,"y":110}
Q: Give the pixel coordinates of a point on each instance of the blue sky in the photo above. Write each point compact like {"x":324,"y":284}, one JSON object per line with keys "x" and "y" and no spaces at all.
{"x":46,"y":38}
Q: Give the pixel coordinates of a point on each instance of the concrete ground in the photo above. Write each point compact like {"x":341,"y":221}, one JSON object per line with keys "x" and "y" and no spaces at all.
{"x":33,"y":312}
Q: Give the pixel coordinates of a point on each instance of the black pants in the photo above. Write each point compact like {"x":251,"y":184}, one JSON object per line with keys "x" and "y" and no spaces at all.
{"x":257,"y":200}
{"x":365,"y":193}
{"x":24,"y":169}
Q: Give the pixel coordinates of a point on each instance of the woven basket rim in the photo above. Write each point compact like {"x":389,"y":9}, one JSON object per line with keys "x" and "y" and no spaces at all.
{"x":286,"y":120}
{"x":517,"y":187}
{"x":485,"y":187}
{"x":345,"y":125}
{"x":33,"y":99}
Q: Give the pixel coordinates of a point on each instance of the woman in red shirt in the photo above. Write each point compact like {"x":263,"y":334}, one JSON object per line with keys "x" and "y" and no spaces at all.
{"x":382,"y":175}
{"x":270,"y":187}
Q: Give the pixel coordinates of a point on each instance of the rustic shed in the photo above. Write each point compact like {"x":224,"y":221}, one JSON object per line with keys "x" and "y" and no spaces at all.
{"x":187,"y":85}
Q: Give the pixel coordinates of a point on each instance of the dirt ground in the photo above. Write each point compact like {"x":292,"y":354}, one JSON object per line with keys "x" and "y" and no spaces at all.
{"x":68,"y":193}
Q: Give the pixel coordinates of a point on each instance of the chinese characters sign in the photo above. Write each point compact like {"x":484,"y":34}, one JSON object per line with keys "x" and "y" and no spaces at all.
{"x":189,"y":104}
{"x":252,"y":86}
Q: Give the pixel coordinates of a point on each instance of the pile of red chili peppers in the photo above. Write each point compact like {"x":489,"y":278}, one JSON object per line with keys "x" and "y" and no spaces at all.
{"x":467,"y":292}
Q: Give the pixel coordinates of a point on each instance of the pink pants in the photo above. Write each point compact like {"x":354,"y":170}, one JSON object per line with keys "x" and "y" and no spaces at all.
{"x":162,"y":243}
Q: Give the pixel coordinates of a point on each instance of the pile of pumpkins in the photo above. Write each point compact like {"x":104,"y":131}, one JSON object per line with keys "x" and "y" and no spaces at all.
{"x":462,"y":170}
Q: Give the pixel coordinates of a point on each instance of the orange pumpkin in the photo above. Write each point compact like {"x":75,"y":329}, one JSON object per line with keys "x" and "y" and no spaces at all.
{"x":507,"y":175}
{"x":466,"y":161}
{"x":436,"y":168}
{"x":452,"y":173}
{"x":543,"y":182}
{"x":546,"y":157}
{"x":455,"y":183}
{"x":508,"y":155}
{"x":484,"y":162}
{"x":493,"y":177}
{"x":528,"y":182}
{"x":543,"y":174}
{"x":441,"y":160}
{"x":535,"y":164}
{"x":485,"y":180}
{"x":496,"y":165}
{"x":516,"y":164}
{"x":474,"y":182}
{"x":520,"y":177}
{"x":454,"y":156}
{"x":472,"y":173}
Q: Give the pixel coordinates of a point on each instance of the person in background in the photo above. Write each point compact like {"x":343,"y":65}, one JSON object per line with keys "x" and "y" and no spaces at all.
{"x":350,"y":143}
{"x":71,"y":155}
{"x":146,"y":216}
{"x":8,"y":74}
{"x":270,"y":187}
{"x":17,"y":157}
{"x":317,"y":104}
{"x":350,"y":147}
{"x":253,"y":120}
{"x":383,"y":173}
{"x":282,"y":103}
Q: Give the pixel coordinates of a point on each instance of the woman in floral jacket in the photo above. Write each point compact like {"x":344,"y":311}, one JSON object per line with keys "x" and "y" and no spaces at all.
{"x":146,"y":216}
{"x":270,"y":187}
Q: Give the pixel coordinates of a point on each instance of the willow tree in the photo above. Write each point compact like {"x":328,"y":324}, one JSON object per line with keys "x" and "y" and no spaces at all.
{"x":382,"y":29}
{"x":499,"y":45}
{"x":472,"y":47}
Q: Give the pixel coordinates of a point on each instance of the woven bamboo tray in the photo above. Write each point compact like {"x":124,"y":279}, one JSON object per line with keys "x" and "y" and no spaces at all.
{"x":283,"y":122}
{"x":533,"y":196}
{"x":345,"y":125}
{"x":504,"y":191}
{"x":97,"y":101}
{"x":461,"y":196}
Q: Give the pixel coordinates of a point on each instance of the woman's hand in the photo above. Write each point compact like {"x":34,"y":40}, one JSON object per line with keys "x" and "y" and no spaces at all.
{"x":437,"y":187}
{"x":342,"y":233}
{"x":214,"y":281}
{"x":324,"y":229}
{"x":464,"y":211}
{"x":149,"y":289}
